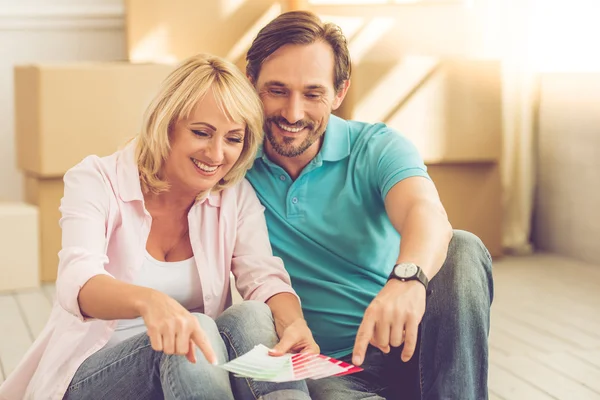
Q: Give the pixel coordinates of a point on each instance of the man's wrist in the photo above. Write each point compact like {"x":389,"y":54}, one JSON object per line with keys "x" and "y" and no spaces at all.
{"x":407,"y":271}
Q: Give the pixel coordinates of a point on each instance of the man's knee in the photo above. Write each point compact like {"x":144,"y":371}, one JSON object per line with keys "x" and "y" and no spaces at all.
{"x":467,"y":245}
{"x":468,"y":265}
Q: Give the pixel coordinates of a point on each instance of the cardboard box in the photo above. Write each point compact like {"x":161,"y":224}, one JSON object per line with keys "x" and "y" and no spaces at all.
{"x":67,"y":112}
{"x":46,"y":193}
{"x":450,"y":109}
{"x":172,"y":30}
{"x":472,"y":196}
{"x":18,"y":246}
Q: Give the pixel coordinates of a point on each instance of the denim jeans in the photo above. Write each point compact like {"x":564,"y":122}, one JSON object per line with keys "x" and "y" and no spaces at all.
{"x":451,"y":361}
{"x":133,"y":370}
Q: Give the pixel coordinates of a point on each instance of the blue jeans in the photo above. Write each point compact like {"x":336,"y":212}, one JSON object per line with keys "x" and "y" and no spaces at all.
{"x":133,"y":370}
{"x":451,"y":361}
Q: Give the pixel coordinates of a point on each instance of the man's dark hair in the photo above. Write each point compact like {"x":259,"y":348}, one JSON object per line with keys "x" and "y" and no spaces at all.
{"x":299,"y":27}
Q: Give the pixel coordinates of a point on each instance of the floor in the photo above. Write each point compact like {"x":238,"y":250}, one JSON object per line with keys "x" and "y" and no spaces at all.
{"x":544,"y":341}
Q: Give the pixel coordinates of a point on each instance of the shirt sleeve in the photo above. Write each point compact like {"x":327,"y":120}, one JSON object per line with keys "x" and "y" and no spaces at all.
{"x":259,"y":275}
{"x":394,"y":159}
{"x":84,"y":213}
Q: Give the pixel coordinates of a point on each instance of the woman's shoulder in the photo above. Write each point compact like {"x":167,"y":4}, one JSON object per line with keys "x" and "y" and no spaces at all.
{"x":99,"y":173}
{"x":92,"y":169}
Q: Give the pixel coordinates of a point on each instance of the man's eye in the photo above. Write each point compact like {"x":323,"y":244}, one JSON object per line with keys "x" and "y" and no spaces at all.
{"x":277,"y":92}
{"x":312,"y":95}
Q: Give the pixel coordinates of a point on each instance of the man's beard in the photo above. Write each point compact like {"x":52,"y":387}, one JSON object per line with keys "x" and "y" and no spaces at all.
{"x":284,"y":145}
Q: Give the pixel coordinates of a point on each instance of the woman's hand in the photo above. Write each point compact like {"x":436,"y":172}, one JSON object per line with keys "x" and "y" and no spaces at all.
{"x":295,"y":338}
{"x":173,"y":329}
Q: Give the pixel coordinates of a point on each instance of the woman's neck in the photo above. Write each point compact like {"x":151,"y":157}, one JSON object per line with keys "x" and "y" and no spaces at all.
{"x":172,"y":201}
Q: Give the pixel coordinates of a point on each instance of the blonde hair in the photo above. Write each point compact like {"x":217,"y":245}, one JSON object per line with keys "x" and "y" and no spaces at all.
{"x":180,"y":93}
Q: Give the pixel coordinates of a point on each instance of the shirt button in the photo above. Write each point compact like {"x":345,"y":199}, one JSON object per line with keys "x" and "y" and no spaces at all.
{"x":295,"y":200}
{"x":282,"y":177}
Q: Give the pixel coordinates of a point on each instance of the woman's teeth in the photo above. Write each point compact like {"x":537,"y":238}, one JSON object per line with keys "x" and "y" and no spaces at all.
{"x":204,"y":167}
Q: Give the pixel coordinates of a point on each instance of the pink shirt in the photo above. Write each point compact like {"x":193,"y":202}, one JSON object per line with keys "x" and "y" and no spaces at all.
{"x":105,"y":227}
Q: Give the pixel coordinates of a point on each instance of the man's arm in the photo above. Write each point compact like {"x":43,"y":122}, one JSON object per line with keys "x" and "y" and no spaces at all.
{"x":393,"y":317}
{"x":414,"y":208}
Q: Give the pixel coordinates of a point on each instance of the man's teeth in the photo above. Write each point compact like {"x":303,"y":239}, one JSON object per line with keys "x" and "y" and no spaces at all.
{"x":290,"y":129}
{"x":204,"y":167}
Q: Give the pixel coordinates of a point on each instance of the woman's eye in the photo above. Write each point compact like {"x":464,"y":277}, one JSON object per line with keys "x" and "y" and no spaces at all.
{"x":199,"y":133}
{"x":236,"y":139}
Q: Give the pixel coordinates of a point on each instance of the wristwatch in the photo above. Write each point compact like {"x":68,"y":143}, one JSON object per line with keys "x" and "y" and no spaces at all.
{"x":409,"y":272}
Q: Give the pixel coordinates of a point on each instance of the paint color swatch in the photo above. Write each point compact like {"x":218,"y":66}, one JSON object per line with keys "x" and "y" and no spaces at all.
{"x":259,"y":365}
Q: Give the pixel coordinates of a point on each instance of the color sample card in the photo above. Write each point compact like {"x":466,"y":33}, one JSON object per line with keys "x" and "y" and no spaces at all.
{"x":259,"y":365}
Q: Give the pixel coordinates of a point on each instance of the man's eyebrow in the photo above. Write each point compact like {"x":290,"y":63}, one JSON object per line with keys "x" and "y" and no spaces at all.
{"x":314,"y":86}
{"x":275,"y":83}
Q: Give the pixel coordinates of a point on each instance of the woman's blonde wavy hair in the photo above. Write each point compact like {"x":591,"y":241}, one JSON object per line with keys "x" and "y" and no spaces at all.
{"x":179,"y":94}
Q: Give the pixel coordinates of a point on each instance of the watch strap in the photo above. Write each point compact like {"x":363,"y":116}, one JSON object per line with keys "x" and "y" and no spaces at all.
{"x":419,"y":276}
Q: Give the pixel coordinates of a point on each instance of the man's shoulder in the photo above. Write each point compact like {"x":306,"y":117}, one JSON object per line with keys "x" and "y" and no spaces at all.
{"x":363,"y":131}
{"x":365,"y":136}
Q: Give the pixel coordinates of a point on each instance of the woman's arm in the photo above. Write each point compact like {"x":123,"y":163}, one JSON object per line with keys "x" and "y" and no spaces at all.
{"x":85,"y":212}
{"x":103,"y":297}
{"x":86,"y":290}
{"x":294,"y":333}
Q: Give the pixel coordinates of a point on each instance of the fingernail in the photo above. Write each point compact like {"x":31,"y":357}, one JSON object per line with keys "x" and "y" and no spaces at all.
{"x":215,"y":362}
{"x":356,"y":360}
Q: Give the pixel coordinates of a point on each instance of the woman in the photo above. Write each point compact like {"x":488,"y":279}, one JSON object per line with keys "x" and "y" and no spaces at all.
{"x":150,"y":235}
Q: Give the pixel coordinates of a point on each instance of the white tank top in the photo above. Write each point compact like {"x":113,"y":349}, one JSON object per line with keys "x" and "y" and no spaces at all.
{"x":178,"y":279}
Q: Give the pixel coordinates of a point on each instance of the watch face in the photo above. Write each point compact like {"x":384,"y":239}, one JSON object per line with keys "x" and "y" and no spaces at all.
{"x":405,"y":270}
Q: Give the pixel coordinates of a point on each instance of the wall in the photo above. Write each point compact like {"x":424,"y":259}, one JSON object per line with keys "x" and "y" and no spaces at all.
{"x":46,"y":31}
{"x":567,"y":213}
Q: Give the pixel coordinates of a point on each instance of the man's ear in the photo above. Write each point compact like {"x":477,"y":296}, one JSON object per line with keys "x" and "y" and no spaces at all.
{"x":251,"y":80}
{"x":340,"y":95}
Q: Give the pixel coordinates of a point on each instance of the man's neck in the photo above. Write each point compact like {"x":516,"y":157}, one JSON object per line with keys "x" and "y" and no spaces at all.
{"x":293,"y":165}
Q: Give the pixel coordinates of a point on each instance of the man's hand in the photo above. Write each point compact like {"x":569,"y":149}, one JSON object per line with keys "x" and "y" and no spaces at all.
{"x":296,"y":338}
{"x":392,"y":317}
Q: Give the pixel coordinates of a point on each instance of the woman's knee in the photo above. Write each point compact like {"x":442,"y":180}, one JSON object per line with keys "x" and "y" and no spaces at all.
{"x":207,"y":324}
{"x":211,"y":331}
{"x":249,"y":322}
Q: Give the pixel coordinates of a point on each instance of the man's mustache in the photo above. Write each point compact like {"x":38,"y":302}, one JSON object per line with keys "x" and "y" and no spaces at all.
{"x":304,"y":123}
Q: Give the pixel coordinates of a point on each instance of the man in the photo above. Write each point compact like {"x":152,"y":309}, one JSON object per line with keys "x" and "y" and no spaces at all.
{"x":350,"y":208}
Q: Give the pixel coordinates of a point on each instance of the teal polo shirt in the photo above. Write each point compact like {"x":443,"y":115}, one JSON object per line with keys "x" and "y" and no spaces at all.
{"x":330,"y":226}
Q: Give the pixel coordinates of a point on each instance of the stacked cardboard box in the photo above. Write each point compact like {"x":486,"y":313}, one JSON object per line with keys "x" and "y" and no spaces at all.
{"x":472,"y":196}
{"x":18,"y":246}
{"x":65,"y":113}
